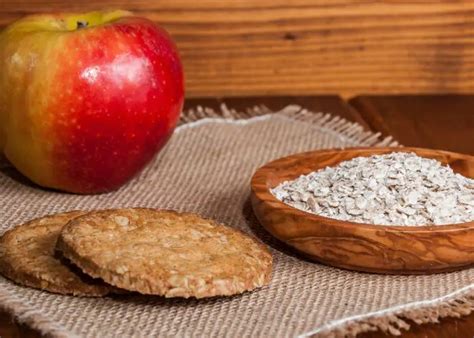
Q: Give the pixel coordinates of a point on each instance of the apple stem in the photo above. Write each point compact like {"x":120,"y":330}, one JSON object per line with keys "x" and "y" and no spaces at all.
{"x":82,"y":24}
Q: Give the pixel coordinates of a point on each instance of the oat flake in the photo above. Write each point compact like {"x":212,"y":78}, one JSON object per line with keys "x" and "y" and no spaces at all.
{"x":392,"y":189}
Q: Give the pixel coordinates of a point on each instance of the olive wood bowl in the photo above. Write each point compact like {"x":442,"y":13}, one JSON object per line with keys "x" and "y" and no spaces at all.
{"x":357,"y":246}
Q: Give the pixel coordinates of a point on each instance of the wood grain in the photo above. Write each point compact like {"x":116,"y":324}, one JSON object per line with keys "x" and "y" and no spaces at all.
{"x":356,"y":246}
{"x":300,"y":47}
{"x":9,"y":328}
{"x":432,"y":121}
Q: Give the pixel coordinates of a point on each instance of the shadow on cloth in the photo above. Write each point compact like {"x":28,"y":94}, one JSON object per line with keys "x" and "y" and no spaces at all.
{"x":7,"y":169}
{"x":259,"y":231}
{"x":139,"y":299}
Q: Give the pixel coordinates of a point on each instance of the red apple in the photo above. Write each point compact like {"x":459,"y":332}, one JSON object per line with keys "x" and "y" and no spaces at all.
{"x":86,"y":100}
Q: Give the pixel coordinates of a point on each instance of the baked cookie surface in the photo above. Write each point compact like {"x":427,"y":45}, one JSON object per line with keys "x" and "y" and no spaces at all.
{"x":27,"y":256}
{"x":165,"y":253}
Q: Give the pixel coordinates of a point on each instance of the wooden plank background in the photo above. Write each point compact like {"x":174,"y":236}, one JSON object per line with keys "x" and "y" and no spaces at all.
{"x":248,"y":47}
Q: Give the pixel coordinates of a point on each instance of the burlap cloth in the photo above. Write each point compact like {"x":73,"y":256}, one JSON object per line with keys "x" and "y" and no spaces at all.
{"x":206,"y":168}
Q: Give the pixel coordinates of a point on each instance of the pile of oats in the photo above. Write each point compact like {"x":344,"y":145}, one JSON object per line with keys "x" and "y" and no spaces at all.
{"x":392,"y":189}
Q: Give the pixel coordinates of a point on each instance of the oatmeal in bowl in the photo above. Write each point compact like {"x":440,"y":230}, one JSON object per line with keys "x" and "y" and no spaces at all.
{"x":395,"y":210}
{"x":397,"y":188}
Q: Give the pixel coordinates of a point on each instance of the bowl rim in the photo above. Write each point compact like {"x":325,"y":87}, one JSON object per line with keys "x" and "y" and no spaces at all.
{"x":265,"y":196}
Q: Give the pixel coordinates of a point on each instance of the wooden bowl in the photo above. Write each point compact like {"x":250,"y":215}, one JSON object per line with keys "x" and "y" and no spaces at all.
{"x":357,"y":246}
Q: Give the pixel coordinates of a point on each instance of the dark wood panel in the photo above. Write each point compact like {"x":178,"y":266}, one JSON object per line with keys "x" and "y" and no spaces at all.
{"x":439,"y":122}
{"x":300,"y":47}
{"x":11,"y":329}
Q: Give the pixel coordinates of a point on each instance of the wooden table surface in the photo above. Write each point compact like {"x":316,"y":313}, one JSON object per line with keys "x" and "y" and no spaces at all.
{"x":443,"y":122}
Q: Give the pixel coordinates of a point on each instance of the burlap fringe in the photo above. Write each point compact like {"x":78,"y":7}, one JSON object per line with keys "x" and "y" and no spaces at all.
{"x":351,"y":130}
{"x":397,"y":321}
{"x":390,"y":321}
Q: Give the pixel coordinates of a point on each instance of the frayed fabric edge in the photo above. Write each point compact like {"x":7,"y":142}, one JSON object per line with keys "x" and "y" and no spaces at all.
{"x":352,"y":131}
{"x":396,"y":320}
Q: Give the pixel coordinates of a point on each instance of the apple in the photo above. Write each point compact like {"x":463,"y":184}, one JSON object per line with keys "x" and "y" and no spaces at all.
{"x":86,"y":100}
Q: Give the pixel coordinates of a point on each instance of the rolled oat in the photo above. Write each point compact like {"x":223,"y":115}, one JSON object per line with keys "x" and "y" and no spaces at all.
{"x":393,"y":189}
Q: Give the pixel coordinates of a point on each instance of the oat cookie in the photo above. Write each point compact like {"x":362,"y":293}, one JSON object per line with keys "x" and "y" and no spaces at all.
{"x":165,"y":253}
{"x":27,"y":256}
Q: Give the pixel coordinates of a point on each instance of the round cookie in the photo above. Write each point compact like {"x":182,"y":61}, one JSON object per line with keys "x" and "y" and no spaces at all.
{"x":165,"y":253}
{"x":27,"y":256}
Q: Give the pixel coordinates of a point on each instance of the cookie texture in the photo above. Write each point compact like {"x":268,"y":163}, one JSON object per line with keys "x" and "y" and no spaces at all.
{"x":165,"y":253}
{"x":27,"y":256}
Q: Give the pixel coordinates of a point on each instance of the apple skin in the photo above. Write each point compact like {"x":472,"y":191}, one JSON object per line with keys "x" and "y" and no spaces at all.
{"x":85,"y":109}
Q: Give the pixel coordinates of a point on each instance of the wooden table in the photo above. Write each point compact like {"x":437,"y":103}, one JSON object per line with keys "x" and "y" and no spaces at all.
{"x":443,"y":122}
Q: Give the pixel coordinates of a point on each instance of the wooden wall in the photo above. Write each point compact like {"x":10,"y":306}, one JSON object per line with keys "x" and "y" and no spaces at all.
{"x":250,"y":47}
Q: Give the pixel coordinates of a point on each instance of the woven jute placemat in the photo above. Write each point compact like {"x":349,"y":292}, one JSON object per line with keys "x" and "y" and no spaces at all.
{"x":206,"y":168}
